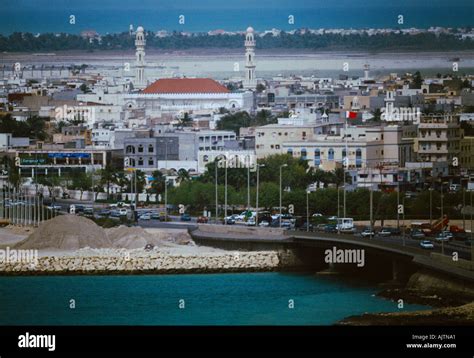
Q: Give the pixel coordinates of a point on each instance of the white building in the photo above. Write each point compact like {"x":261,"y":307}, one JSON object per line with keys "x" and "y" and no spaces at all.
{"x":140,"y":57}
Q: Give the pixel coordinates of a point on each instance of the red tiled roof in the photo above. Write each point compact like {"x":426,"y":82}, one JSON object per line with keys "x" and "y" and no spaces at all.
{"x":185,"y":85}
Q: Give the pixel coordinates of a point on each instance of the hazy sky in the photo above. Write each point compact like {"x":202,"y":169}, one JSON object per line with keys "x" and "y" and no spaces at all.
{"x":228,"y":4}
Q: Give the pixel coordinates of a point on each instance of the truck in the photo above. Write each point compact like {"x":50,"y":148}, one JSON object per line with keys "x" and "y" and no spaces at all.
{"x":345,"y":225}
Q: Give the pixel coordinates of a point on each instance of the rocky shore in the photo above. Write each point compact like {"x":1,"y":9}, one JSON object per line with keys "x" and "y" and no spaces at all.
{"x":452,"y":302}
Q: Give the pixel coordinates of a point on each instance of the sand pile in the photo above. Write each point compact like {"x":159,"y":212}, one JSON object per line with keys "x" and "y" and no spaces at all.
{"x":66,"y":232}
{"x":132,"y":238}
{"x":71,"y":232}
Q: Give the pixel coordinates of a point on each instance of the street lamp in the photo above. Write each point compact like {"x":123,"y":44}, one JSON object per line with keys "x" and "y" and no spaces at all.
{"x":281,"y":167}
{"x":307,"y":210}
{"x":258,"y":183}
{"x":217,"y":200}
{"x":225,"y":191}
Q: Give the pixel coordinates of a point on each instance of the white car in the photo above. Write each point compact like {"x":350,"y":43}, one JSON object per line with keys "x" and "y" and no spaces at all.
{"x":426,"y":244}
{"x":332,"y":218}
{"x":251,"y":222}
{"x":315,"y":215}
{"x":145,"y":217}
{"x":122,"y":212}
{"x":264,"y":223}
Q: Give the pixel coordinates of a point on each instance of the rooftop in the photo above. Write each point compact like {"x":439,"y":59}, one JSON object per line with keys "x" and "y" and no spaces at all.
{"x":185,"y":85}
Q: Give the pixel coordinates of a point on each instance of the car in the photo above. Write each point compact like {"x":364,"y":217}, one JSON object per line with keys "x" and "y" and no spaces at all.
{"x":155,"y":216}
{"x":384,"y":232}
{"x":104,"y":212}
{"x":251,"y":222}
{"x":122,"y":212}
{"x":330,"y":228}
{"x":114,"y":213}
{"x":426,"y":244}
{"x":315,"y":215}
{"x":229,"y":221}
{"x":368,"y":232}
{"x":264,"y":223}
{"x":332,"y":218}
{"x":185,"y":217}
{"x":89,"y":210}
{"x":417,"y":234}
{"x":202,"y":220}
{"x":54,"y":207}
{"x":320,"y":227}
{"x":306,"y":227}
{"x":444,"y":236}
{"x":145,"y":216}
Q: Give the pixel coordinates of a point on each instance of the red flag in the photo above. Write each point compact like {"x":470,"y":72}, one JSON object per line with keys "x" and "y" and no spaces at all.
{"x":351,"y":115}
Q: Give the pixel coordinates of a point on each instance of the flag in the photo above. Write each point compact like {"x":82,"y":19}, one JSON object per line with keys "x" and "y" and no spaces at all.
{"x":351,"y":115}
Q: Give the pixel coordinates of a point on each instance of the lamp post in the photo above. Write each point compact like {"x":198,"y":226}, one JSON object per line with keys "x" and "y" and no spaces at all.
{"x":248,"y":182}
{"x":307,"y":210}
{"x":225,"y":191}
{"x":431,"y":205}
{"x":258,"y":183}
{"x":217,"y":200}
{"x":281,"y":167}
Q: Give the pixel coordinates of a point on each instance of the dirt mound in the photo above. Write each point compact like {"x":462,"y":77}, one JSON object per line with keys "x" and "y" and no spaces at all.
{"x":136,"y":237}
{"x":132,"y":238}
{"x":66,"y":232}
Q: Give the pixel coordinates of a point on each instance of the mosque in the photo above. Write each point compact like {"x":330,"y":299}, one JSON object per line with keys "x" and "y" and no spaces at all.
{"x":190,"y":94}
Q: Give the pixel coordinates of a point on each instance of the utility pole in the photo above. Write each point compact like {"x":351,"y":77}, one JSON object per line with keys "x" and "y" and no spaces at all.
{"x":281,"y":167}
{"x":307,"y":210}
{"x":256,"y":201}
{"x":217,"y":199}
{"x":225,"y":192}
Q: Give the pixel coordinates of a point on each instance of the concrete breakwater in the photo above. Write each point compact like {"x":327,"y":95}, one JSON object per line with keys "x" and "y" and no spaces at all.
{"x":94,"y":261}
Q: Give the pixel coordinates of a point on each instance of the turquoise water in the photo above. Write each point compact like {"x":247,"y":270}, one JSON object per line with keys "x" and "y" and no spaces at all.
{"x":209,"y":299}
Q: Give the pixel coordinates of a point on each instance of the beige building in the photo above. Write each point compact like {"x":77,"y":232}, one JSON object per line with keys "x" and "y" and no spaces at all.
{"x":366,"y":147}
{"x":438,"y":138}
{"x":466,"y":155}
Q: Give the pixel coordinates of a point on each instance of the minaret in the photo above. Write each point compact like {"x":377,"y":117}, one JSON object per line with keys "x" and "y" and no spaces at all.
{"x":366,"y":72}
{"x":250,"y":82}
{"x":140,"y":58}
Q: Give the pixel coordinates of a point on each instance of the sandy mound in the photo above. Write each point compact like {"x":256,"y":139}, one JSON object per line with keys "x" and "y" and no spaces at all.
{"x":66,"y":232}
{"x":136,"y":237}
{"x":131,"y":238}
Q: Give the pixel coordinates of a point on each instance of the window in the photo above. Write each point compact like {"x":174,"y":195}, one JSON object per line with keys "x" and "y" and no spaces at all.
{"x":140,"y":148}
{"x":140,"y":161}
{"x":358,"y":157}
{"x":130,"y":149}
{"x":331,"y":154}
{"x":317,"y":157}
{"x":150,"y":148}
{"x":304,"y":153}
{"x":150,"y":161}
{"x":290,"y":151}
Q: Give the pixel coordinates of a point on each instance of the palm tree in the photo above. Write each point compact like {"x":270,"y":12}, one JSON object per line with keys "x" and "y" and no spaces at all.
{"x":183,"y":176}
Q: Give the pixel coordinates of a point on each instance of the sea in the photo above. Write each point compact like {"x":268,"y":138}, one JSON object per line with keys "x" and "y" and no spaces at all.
{"x":189,"y":299}
{"x":55,"y":16}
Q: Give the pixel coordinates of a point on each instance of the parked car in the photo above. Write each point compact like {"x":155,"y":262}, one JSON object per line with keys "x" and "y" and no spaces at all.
{"x":384,"y":232}
{"x":145,"y":216}
{"x":202,"y":220}
{"x":316,"y":215}
{"x":185,"y":217}
{"x":89,"y":210}
{"x":264,"y":223}
{"x":368,"y":232}
{"x":320,"y":227}
{"x":417,"y":234}
{"x":426,"y":244}
{"x":330,"y":228}
{"x":54,"y":207}
{"x":229,"y":220}
{"x":332,"y":218}
{"x":155,"y":216}
{"x":123,"y":212}
{"x":306,"y":227}
{"x":251,"y":222}
{"x":104,"y":212}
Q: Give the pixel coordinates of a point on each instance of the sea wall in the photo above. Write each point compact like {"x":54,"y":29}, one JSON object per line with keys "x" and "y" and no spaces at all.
{"x":140,"y":261}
